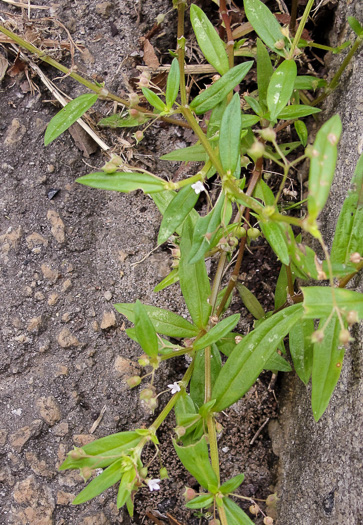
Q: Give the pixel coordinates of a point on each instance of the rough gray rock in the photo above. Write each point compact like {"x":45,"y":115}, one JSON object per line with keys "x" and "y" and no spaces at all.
{"x":320,"y":470}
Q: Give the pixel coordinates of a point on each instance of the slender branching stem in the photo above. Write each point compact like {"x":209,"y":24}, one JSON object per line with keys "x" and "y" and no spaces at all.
{"x":300,"y":29}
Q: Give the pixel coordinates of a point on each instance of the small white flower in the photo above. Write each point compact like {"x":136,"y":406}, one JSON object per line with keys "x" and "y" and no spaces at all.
{"x":198,"y":187}
{"x":174,"y":388}
{"x":153,"y":484}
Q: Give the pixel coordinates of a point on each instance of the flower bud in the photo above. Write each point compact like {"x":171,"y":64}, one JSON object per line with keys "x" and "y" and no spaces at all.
{"x":189,"y":494}
{"x":267,"y":520}
{"x":146,"y":394}
{"x":280,"y":44}
{"x":143,"y":472}
{"x":188,"y":343}
{"x":344,"y":337}
{"x":253,"y":233}
{"x":238,"y":339}
{"x":214,"y":320}
{"x":317,"y":336}
{"x":254,"y":509}
{"x":139,"y":135}
{"x":268,"y":134}
{"x":163,"y":473}
{"x":272,"y":499}
{"x":133,"y":381}
{"x":219,"y":427}
{"x":134,"y":99}
{"x":215,"y":78}
{"x":77,"y":453}
{"x":355,"y":258}
{"x":285,"y":31}
{"x":160,"y":18}
{"x":179,"y":431}
{"x":352,"y":317}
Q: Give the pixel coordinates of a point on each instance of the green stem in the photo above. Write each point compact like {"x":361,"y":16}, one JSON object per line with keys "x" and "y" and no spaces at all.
{"x":300,"y":29}
{"x":345,"y":280}
{"x":181,"y":51}
{"x":81,"y":80}
{"x":166,"y":410}
{"x":294,"y":221}
{"x":335,"y":80}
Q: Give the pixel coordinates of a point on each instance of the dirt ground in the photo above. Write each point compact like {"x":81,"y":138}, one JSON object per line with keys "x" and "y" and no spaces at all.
{"x":66,"y":257}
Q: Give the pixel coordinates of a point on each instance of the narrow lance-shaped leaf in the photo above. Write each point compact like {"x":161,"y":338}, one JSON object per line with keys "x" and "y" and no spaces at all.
{"x":230,"y":135}
{"x":297,"y":111}
{"x":209,"y":98}
{"x":264,"y":72}
{"x":170,"y":279}
{"x":209,"y":42}
{"x":165,"y":322}
{"x":280,"y":88}
{"x":318,"y":301}
{"x":125,"y":488}
{"x":322,"y":164}
{"x":145,"y":331}
{"x":217,"y":332}
{"x":195,"y":459}
{"x":251,"y":302}
{"x":232,"y":484}
{"x":194,"y":282}
{"x":234,"y":514}
{"x":119,"y":121}
{"x":276,"y":238}
{"x":250,"y":356}
{"x":123,"y":182}
{"x":153,"y":99}
{"x":264,"y":23}
{"x":172,"y":84}
{"x":301,"y":130}
{"x":175,"y":213}
{"x":68,"y":116}
{"x":109,"y":477}
{"x":195,"y":153}
{"x":197,"y":383}
{"x":348,"y":236}
{"x":200,"y":502}
{"x":301,"y":348}
{"x":327,"y":365}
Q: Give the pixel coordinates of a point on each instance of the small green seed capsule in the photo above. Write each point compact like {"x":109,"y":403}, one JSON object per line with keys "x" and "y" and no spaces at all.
{"x":189,"y":494}
{"x":268,"y":520}
{"x":280,"y":44}
{"x":77,"y":453}
{"x":143,"y":472}
{"x":144,"y":360}
{"x":344,"y":337}
{"x":146,"y":394}
{"x":352,"y":317}
{"x":179,"y":431}
{"x":163,"y":473}
{"x":317,"y":336}
{"x":254,"y":509}
{"x":253,"y":233}
{"x":272,"y":499}
{"x":268,"y":134}
{"x":86,"y":473}
{"x":133,"y":381}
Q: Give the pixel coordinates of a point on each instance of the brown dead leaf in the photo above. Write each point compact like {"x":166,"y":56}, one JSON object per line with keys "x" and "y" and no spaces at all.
{"x":82,"y":140}
{"x":3,"y":67}
{"x":150,"y":57}
{"x":17,"y":68}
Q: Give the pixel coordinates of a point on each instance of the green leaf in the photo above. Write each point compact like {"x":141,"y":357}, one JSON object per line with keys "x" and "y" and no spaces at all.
{"x":172,"y":84}
{"x":277,"y":363}
{"x":194,"y":282}
{"x":248,"y":120}
{"x":195,"y":459}
{"x":170,"y":279}
{"x":250,"y":301}
{"x":348,"y":236}
{"x":123,"y":182}
{"x":197,"y":383}
{"x":230,"y":134}
{"x":109,"y":477}
{"x":302,"y":131}
{"x":297,"y":111}
{"x":264,"y":23}
{"x":263,"y":192}
{"x":103,"y":451}
{"x":217,"y":332}
{"x":153,"y":99}
{"x":234,"y":514}
{"x":301,"y":348}
{"x":254,"y":105}
{"x":264,"y":72}
{"x":232,"y":484}
{"x":204,"y":500}
{"x":286,"y":149}
{"x":215,"y":120}
{"x":209,"y":98}
{"x":355,"y":25}
{"x":195,"y":153}
{"x":250,"y":356}
{"x":281,"y":288}
{"x":145,"y":331}
{"x":327,"y":365}
{"x":209,"y":42}
{"x":309,"y":82}
{"x":118,"y":121}
{"x":175,"y":213}
{"x":68,"y":116}
{"x":130,"y":506}
{"x":276,"y":238}
{"x":125,"y":488}
{"x":165,"y":322}
{"x":227,"y":344}
{"x":318,"y":301}
{"x":322,"y":164}
{"x":280,"y":88}
{"x":204,"y":225}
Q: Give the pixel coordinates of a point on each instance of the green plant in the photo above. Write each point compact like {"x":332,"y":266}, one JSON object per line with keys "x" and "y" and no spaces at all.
{"x":236,"y":142}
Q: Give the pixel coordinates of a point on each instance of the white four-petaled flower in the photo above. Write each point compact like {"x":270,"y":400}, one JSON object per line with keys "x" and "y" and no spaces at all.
{"x":198,"y":187}
{"x":153,"y":484}
{"x":174,"y":388}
